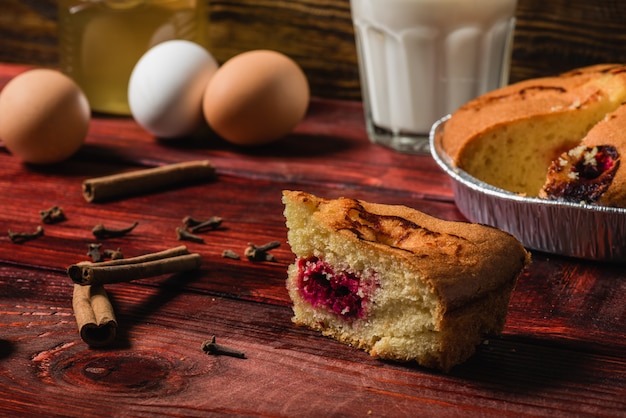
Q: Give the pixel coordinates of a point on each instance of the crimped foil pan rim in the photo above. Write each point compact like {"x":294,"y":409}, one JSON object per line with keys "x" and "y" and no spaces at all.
{"x":571,"y":229}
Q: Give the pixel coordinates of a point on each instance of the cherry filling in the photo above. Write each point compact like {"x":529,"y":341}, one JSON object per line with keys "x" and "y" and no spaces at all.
{"x":344,"y":292}
{"x":590,"y":174}
{"x":604,"y":160}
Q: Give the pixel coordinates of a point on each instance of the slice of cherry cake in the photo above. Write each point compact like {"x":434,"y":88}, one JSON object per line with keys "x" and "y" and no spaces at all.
{"x":396,"y":282}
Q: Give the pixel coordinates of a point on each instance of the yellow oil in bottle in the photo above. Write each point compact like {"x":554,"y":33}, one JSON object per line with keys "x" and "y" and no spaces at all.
{"x":101,"y":41}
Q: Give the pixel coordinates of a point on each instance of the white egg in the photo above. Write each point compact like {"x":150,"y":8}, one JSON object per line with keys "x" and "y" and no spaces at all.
{"x":166,"y":87}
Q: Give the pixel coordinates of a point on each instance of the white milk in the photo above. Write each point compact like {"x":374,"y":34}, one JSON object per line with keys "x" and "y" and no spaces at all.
{"x":422,"y":59}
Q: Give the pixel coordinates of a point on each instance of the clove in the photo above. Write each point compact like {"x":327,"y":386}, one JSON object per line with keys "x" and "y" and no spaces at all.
{"x":93,"y":251}
{"x":100,"y":231}
{"x":260,"y":253}
{"x":195,"y":225}
{"x":97,"y":256}
{"x":53,"y":215}
{"x":211,"y":347}
{"x":20,"y":237}
{"x":113,"y":254}
{"x":184,"y":235}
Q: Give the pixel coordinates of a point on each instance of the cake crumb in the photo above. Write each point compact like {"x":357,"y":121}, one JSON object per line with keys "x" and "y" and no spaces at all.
{"x":575,"y":104}
{"x":590,"y":157}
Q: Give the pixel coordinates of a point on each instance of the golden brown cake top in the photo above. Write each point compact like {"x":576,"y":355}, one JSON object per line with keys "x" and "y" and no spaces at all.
{"x":459,"y":260}
{"x":530,"y":98}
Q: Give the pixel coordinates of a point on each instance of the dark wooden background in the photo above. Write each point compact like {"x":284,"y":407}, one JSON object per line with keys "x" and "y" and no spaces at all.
{"x":551,"y":36}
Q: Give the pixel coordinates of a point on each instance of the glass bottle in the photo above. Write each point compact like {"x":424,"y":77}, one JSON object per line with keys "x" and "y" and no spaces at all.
{"x":101,"y":41}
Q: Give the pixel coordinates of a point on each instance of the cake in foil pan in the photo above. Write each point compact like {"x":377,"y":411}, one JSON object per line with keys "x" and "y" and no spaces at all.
{"x":580,"y":230}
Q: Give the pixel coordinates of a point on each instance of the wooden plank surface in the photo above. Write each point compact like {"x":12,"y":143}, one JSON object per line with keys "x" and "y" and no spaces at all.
{"x":551,"y":36}
{"x":563,"y":350}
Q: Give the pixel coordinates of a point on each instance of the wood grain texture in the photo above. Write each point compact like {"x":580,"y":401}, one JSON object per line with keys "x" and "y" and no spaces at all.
{"x":551,"y":36}
{"x":556,"y":36}
{"x":159,"y":369}
{"x":317,"y":34}
{"x":562,"y":353}
{"x":28,"y":32}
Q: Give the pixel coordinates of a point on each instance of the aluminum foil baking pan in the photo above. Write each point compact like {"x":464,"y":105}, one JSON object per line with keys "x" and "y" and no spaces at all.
{"x":570,"y":229}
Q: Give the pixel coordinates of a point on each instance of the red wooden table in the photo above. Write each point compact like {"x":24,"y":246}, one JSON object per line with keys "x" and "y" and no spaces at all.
{"x":563,"y":350}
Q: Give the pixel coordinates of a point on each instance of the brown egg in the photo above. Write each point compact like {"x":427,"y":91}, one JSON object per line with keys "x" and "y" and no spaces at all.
{"x":44,"y":116}
{"x":256,"y":97}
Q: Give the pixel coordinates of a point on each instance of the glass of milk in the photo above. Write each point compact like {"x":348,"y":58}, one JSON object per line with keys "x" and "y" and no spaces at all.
{"x":420,"y":60}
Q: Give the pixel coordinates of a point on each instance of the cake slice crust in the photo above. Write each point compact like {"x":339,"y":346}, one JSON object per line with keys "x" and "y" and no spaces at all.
{"x":396,"y":282}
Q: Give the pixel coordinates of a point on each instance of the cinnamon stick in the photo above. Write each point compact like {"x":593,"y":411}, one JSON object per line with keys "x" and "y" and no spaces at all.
{"x":173,"y":260}
{"x":147,"y":180}
{"x":94,"y":315}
